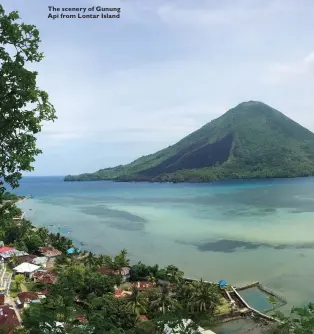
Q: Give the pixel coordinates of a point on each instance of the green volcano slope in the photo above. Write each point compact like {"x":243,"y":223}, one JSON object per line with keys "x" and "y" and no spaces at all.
{"x":251,"y":140}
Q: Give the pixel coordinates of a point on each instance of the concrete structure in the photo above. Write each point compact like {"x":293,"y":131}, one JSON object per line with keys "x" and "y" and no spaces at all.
{"x":262,"y":315}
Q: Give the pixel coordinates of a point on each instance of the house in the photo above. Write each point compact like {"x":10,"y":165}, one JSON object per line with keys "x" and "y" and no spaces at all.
{"x":9,"y":252}
{"x":25,"y":298}
{"x":28,"y":269}
{"x":4,"y":249}
{"x":124,"y":272}
{"x":25,"y":258}
{"x":143,"y":285}
{"x":8,"y":319}
{"x":40,"y":261}
{"x":50,"y":253}
{"x":45,"y":277}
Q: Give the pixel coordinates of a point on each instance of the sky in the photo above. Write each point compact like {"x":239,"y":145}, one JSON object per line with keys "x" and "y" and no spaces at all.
{"x":127,"y":87}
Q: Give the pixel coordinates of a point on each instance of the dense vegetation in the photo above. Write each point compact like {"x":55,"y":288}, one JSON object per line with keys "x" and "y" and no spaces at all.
{"x":7,"y":196}
{"x":251,"y":140}
{"x":23,"y":235}
{"x":23,"y":106}
{"x":82,"y":291}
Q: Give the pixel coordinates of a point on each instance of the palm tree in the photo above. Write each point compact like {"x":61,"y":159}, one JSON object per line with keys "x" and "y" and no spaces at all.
{"x":100,"y":260}
{"x":43,"y":232}
{"x":174,"y":274}
{"x":136,"y":302}
{"x":184,"y":292}
{"x":109,"y":262}
{"x":121,"y":260}
{"x":205,"y":296}
{"x":118,"y":262}
{"x":164,"y":300}
{"x":90,"y":261}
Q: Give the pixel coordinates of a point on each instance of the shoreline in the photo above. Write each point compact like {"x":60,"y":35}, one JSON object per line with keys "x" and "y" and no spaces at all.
{"x":240,"y":179}
{"x":21,"y":200}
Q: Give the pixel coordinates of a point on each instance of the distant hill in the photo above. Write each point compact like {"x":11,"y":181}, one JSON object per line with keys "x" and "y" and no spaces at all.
{"x":251,"y":140}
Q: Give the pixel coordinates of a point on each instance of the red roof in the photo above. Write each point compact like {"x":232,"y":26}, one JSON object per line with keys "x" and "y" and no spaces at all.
{"x":6,"y":249}
{"x":45,"y":277}
{"x":81,"y":319}
{"x":49,"y":251}
{"x":108,"y":271}
{"x":121,"y":293}
{"x":142,"y":318}
{"x":26,"y":258}
{"x":8,"y":318}
{"x":26,"y":297}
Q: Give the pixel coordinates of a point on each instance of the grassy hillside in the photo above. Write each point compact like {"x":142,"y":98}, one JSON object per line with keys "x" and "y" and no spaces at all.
{"x":248,"y":141}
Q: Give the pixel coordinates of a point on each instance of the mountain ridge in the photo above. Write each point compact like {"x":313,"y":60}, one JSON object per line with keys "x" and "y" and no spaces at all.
{"x":251,"y":140}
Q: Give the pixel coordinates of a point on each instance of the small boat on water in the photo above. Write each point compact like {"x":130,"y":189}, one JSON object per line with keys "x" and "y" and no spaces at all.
{"x":82,"y":243}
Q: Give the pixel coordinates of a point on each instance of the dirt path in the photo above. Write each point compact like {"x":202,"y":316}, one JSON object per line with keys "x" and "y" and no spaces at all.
{"x":23,"y":288}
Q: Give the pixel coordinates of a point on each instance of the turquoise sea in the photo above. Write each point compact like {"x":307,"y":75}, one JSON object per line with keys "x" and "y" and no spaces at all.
{"x":240,"y":231}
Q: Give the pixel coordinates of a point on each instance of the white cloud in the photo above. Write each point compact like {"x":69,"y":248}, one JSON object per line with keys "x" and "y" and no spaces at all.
{"x":287,"y":71}
{"x":159,"y":100}
{"x":223,"y":13}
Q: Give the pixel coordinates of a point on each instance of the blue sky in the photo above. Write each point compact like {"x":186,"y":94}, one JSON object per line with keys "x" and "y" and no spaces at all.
{"x":127,"y":87}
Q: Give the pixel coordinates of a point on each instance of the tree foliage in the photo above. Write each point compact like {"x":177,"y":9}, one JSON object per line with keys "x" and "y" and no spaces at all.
{"x":299,"y":321}
{"x":23,"y":106}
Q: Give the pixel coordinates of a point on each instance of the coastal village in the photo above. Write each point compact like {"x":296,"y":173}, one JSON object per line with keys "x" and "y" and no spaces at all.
{"x":26,"y":279}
